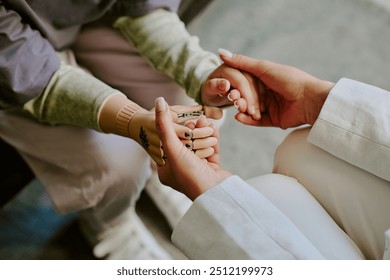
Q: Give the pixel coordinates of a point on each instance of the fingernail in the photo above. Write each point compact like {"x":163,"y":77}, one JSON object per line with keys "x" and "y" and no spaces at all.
{"x":225,"y":53}
{"x":253,"y":110}
{"x":160,"y":104}
{"x":222,"y":85}
{"x":188,"y":135}
{"x":189,"y":146}
{"x":229,"y":97}
{"x":236,"y":103}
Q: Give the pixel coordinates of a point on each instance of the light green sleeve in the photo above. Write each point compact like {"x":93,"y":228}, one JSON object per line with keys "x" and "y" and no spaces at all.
{"x":163,"y":39}
{"x":72,"y":97}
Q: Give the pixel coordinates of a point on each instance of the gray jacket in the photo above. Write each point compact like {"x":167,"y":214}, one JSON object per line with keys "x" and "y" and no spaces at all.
{"x":32,"y":30}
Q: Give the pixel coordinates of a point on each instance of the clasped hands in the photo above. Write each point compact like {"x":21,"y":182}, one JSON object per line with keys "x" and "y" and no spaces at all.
{"x":265,"y":93}
{"x":193,"y":135}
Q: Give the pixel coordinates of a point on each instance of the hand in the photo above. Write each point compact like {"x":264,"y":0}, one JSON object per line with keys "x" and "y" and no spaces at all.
{"x":183,"y":170}
{"x":142,"y":129}
{"x":291,"y":97}
{"x":229,"y":82}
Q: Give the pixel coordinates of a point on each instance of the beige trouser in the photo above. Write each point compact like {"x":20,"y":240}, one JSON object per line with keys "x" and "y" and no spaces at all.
{"x":358,"y":202}
{"x":81,"y":168}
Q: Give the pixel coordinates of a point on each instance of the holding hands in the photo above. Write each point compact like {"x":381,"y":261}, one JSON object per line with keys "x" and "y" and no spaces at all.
{"x":183,"y":169}
{"x":289,"y":97}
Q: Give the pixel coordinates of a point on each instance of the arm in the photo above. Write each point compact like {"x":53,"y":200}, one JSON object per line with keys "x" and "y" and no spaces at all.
{"x":27,"y":60}
{"x":351,"y":119}
{"x":234,"y":221}
{"x":255,"y":228}
{"x":163,"y":39}
{"x":354,"y":125}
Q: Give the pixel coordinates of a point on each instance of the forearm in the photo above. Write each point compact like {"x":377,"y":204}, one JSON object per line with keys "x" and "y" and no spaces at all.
{"x":232,"y":221}
{"x":75,"y":97}
{"x":163,"y":39}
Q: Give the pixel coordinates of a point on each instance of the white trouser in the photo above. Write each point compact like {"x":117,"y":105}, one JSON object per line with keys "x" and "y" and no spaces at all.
{"x":357,"y":201}
{"x":81,"y":168}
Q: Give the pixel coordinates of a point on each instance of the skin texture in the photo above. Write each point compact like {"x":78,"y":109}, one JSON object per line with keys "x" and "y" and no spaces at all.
{"x":289,"y":97}
{"x":225,"y":81}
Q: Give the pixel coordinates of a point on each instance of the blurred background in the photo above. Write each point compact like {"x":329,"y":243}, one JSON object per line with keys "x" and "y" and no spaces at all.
{"x":328,"y":38}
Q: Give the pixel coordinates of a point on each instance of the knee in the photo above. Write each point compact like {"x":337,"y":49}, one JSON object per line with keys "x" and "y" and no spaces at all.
{"x":292,"y":152}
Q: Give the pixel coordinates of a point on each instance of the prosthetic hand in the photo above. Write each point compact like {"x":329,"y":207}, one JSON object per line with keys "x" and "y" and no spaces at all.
{"x":123,"y":117}
{"x":183,"y":170}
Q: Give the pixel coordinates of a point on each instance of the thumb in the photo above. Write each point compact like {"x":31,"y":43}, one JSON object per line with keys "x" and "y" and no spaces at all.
{"x":213,"y":112}
{"x":164,"y":125}
{"x":244,"y":63}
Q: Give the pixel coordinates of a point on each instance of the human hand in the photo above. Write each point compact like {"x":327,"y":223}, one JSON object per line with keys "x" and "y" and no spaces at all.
{"x":183,"y":170}
{"x":142,"y":129}
{"x":291,"y":97}
{"x":228,"y":82}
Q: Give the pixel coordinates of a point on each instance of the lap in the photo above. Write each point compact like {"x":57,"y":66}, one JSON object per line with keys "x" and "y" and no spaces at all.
{"x":357,"y":200}
{"x":294,"y":201}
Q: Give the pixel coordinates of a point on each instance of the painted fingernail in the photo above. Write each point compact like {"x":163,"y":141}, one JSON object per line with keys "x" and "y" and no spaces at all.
{"x":225,"y":53}
{"x":188,"y":135}
{"x":189,"y":146}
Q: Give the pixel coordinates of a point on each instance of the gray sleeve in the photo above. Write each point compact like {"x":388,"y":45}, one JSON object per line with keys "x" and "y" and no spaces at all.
{"x":27,"y":60}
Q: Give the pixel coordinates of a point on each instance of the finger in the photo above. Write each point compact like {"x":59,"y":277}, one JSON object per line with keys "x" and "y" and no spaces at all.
{"x":254,"y":109}
{"x":213,"y":112}
{"x":185,"y":109}
{"x":190,"y":125}
{"x":233,"y":95}
{"x":185,"y":113}
{"x":202,"y":132}
{"x":202,"y":122}
{"x":183,"y":131}
{"x":218,"y":85}
{"x":248,"y":120}
{"x":204,"y":153}
{"x":188,"y":144}
{"x":204,"y":143}
{"x":215,"y":157}
{"x":241,"y":105}
{"x":245,"y":90}
{"x":254,"y":66}
{"x":165,"y":128}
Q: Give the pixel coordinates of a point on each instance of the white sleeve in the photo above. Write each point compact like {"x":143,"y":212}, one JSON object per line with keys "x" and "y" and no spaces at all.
{"x":234,"y":221}
{"x":354,"y":125}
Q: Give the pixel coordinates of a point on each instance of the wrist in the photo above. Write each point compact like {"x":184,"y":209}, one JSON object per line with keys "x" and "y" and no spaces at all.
{"x":116,"y":114}
{"x":321,"y":92}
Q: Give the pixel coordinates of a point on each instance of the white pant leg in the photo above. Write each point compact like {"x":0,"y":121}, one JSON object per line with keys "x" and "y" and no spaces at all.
{"x":357,"y":200}
{"x":294,"y":201}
